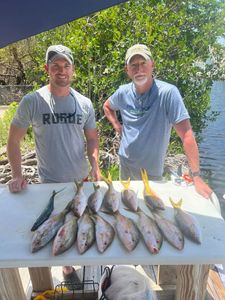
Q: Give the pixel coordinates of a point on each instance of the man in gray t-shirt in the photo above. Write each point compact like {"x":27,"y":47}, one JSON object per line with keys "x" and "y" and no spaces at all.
{"x":149,"y":109}
{"x":62,"y":119}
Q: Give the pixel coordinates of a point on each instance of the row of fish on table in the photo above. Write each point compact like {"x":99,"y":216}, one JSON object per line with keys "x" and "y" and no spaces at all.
{"x":81,"y":221}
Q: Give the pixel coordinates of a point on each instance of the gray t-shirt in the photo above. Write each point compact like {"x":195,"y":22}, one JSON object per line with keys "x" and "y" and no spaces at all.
{"x":58,"y":124}
{"x":147,"y":122}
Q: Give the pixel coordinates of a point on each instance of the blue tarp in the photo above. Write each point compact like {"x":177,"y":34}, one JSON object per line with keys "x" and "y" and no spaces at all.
{"x":20,"y":19}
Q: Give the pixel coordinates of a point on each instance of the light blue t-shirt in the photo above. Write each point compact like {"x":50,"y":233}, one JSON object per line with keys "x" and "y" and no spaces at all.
{"x":147,"y":122}
{"x":58,"y":124}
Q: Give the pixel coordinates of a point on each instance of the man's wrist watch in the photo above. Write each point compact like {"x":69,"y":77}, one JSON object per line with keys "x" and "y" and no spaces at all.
{"x":195,"y":174}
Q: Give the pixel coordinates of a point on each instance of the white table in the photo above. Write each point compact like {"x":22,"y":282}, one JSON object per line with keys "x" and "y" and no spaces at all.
{"x":19,"y":211}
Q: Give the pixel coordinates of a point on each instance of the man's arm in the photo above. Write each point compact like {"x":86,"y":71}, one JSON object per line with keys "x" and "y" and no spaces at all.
{"x":112,"y":117}
{"x":93,"y":152}
{"x":17,"y":183}
{"x":190,"y":146}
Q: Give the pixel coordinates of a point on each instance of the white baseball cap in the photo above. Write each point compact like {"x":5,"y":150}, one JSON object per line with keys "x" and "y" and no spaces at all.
{"x":138,"y":49}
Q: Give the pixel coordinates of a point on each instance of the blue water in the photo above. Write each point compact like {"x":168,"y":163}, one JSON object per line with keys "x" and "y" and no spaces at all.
{"x":212,"y":146}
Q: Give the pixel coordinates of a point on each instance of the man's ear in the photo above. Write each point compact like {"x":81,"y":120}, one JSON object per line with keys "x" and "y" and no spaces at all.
{"x":46,"y":67}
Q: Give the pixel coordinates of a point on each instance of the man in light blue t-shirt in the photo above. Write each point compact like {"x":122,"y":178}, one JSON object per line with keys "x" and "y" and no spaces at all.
{"x":149,"y":109}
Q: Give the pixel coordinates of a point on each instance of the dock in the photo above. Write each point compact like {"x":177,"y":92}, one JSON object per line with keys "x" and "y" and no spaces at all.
{"x":166,"y":291}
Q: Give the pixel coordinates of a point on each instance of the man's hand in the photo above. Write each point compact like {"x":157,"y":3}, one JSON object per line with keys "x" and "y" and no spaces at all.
{"x":201,"y":187}
{"x":17,"y":184}
{"x":95,"y":173}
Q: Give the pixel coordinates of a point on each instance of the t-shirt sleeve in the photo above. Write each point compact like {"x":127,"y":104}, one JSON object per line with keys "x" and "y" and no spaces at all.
{"x":22,"y":117}
{"x":115,"y":100}
{"x":90,"y":121}
{"x":176,"y":109}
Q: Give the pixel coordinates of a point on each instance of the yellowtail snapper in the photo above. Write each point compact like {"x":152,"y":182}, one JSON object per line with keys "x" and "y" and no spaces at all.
{"x":151,"y":199}
{"x":129,"y":197}
{"x":187,"y":223}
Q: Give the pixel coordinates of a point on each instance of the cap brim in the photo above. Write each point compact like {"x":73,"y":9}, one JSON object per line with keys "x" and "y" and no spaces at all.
{"x":61,"y":55}
{"x":146,"y":57}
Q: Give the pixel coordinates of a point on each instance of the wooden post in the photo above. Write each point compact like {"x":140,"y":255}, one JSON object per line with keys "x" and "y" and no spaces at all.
{"x":167,"y":275}
{"x":10,"y":285}
{"x":41,"y":279}
{"x":192,"y":282}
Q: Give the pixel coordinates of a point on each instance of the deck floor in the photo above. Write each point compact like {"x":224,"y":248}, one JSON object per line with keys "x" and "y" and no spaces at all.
{"x":215,"y":287}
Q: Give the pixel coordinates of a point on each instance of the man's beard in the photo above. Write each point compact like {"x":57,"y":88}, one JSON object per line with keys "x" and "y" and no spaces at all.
{"x":140,"y":81}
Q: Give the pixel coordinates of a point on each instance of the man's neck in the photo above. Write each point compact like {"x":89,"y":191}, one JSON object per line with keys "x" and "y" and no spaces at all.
{"x":59,"y":91}
{"x":144,"y":88}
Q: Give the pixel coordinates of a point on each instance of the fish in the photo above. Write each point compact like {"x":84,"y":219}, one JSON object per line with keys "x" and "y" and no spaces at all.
{"x":151,"y":199}
{"x":48,"y":230}
{"x":150,"y":232}
{"x":127,"y":231}
{"x":187,"y":223}
{"x":46,"y":212}
{"x":104,"y":233}
{"x":111,"y":200}
{"x":80,"y":200}
{"x":85,"y":233}
{"x":66,"y":235}
{"x":170,"y":231}
{"x":95,"y":199}
{"x":129,"y":197}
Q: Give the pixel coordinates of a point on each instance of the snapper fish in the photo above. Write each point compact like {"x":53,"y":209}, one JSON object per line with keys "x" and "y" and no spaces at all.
{"x":95,"y":199}
{"x":170,"y":231}
{"x":104,"y":233}
{"x":66,"y":235}
{"x":127,"y":231}
{"x":48,"y":230}
{"x":150,"y":232}
{"x":152,"y":200}
{"x":129,"y":197}
{"x":79,"y":200}
{"x":85,"y":233}
{"x":187,"y":223}
{"x":111,"y":200}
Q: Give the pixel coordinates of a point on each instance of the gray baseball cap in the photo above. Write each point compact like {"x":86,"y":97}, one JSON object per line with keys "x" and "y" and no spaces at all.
{"x":58,"y":51}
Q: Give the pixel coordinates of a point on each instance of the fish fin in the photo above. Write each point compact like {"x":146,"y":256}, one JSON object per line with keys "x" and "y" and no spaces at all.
{"x":174,"y":204}
{"x":128,"y":209}
{"x":105,"y":211}
{"x":125,"y":184}
{"x":148,"y":189}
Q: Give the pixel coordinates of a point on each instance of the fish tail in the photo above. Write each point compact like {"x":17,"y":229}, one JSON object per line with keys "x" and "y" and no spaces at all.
{"x":108,"y":180}
{"x":148,"y":189}
{"x":79,"y":184}
{"x":125,"y":184}
{"x":174,"y":204}
{"x":56,"y":192}
{"x":96,"y":186}
{"x":109,"y":177}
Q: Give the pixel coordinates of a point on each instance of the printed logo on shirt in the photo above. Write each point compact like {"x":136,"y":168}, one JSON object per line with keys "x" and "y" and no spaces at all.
{"x":138,"y":112}
{"x":61,"y":118}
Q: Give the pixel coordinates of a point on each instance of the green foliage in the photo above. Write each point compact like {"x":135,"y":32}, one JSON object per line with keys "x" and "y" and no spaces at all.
{"x":114,"y":172}
{"x":5,"y":121}
{"x":182,"y":36}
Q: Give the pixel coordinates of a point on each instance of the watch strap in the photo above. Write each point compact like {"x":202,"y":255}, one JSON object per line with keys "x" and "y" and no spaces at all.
{"x":195,"y":174}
